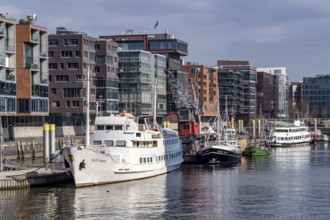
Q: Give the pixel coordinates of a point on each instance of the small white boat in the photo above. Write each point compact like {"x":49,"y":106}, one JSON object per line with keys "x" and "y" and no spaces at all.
{"x":290,"y":135}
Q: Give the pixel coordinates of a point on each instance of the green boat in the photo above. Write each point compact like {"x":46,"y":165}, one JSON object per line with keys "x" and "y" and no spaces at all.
{"x":256,"y":151}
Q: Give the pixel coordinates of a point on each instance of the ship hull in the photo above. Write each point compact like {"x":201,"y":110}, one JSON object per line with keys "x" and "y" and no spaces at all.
{"x":92,"y":168}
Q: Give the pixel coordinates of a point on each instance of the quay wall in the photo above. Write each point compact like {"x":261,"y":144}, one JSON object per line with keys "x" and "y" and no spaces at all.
{"x":39,"y":179}
{"x":14,"y":133}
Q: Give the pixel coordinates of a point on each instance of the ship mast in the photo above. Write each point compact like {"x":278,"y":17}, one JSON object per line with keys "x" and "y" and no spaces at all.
{"x":87,"y":109}
{"x":155,"y":105}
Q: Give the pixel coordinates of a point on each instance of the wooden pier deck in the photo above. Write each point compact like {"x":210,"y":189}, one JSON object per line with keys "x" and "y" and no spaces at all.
{"x":44,"y":176}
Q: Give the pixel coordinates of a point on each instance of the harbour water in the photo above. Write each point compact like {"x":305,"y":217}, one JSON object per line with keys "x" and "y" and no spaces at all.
{"x":291,"y":183}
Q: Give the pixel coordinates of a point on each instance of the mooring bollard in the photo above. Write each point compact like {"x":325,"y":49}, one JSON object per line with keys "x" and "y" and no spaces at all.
{"x":46,"y":143}
{"x":51,"y":140}
{"x":18,"y":150}
{"x":22,"y":150}
{"x":33,"y":150}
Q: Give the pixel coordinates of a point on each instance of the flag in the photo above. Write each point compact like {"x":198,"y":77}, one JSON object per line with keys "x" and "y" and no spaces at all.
{"x":156,"y":25}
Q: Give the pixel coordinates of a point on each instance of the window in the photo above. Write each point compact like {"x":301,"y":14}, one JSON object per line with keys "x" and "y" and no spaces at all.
{"x":100,"y":127}
{"x":80,"y":78}
{"x":53,"y":42}
{"x":121,"y":143}
{"x":62,"y":66}
{"x":28,"y":55}
{"x":108,"y":143}
{"x":66,"y":54}
{"x":51,"y":54}
{"x":97,"y":142}
{"x":68,"y":104}
{"x":92,"y":56}
{"x":52,"y":66}
{"x":55,"y":104}
{"x":73,"y":92}
{"x":75,"y":104}
{"x":62,"y":78}
{"x":118,"y":127}
{"x":72,"y":66}
{"x":73,"y":42}
{"x":53,"y":91}
{"x":65,"y":42}
{"x":78,"y":53}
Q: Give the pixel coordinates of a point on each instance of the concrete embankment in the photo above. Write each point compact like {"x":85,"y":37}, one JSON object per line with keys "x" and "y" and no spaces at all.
{"x":32,"y":177}
{"x":33,"y":147}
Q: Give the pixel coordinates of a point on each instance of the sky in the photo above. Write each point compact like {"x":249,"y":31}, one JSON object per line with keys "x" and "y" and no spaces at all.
{"x":268,"y":33}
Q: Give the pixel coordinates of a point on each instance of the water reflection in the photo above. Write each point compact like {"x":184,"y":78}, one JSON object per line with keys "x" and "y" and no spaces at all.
{"x":37,"y":203}
{"x":291,"y":183}
{"x":127,"y":200}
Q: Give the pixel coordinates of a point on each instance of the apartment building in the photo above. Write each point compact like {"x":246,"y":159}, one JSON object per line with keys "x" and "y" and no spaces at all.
{"x":238,"y":77}
{"x":296,"y":104}
{"x":8,"y":71}
{"x":71,"y":55}
{"x":160,"y":43}
{"x":283,"y":86}
{"x":267,"y":94}
{"x":23,"y":71}
{"x":203,"y":87}
{"x":139,"y":72}
{"x":316,"y":94}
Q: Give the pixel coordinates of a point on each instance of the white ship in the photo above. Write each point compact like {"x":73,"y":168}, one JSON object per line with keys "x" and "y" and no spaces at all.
{"x":121,"y":150}
{"x":290,"y":135}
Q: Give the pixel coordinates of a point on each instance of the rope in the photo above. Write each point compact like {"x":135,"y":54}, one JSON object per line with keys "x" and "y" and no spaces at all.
{"x":24,"y":175}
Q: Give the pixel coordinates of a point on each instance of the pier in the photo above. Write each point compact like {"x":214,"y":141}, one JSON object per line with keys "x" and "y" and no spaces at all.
{"x":44,"y":176}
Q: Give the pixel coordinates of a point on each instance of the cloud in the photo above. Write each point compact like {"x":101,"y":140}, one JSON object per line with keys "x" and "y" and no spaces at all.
{"x":277,"y":33}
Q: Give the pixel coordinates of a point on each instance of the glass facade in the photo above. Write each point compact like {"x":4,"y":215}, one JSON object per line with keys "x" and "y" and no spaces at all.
{"x":137,"y":73}
{"x":283,"y":88}
{"x":316,"y":94}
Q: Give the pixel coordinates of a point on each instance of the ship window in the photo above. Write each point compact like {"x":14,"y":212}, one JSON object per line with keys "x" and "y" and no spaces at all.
{"x":118,"y":127}
{"x":121,"y":143}
{"x":148,"y":159}
{"x":100,"y":127}
{"x":97,"y":142}
{"x":108,"y":143}
{"x":151,"y":159}
{"x":109,"y":127}
{"x":140,"y":160}
{"x":144,"y":160}
{"x":138,"y":134}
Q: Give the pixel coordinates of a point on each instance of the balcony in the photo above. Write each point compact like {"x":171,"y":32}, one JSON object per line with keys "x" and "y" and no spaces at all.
{"x":35,"y":37}
{"x":10,"y":49}
{"x":129,"y":59}
{"x":43,"y":54}
{"x":10,"y":77}
{"x":130,"y":69}
{"x":2,"y":62}
{"x":34,"y":66}
{"x":44,"y":81}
